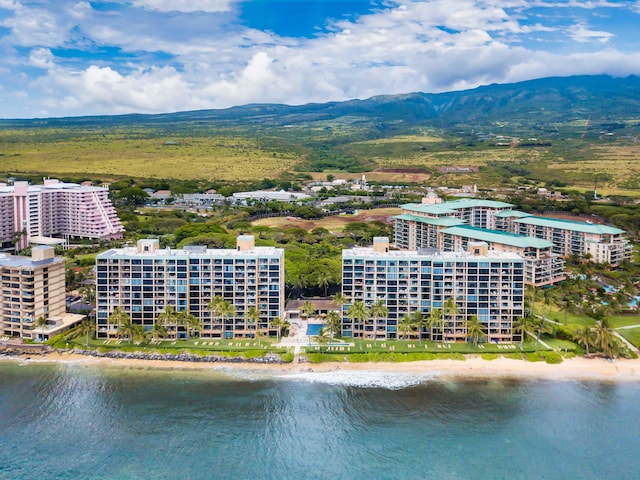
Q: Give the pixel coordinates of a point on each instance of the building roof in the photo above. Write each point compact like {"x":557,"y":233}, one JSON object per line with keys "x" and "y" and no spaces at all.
{"x":584,"y":227}
{"x":498,"y":236}
{"x":476,"y":202}
{"x":428,"y":254}
{"x":431,"y":209}
{"x":444,"y":221}
{"x":511,"y":213}
{"x":171,"y":253}
{"x":20,"y":261}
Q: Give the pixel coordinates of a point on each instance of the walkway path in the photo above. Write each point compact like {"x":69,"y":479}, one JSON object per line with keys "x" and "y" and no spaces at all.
{"x":296,"y":339}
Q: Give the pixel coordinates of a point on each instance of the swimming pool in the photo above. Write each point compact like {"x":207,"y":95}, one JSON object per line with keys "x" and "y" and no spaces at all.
{"x":314,"y":328}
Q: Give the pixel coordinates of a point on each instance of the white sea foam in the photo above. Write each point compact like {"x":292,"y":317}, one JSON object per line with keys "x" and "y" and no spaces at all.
{"x":365,"y":378}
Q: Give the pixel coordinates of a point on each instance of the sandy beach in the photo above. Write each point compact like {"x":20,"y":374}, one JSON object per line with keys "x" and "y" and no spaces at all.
{"x":473,"y":367}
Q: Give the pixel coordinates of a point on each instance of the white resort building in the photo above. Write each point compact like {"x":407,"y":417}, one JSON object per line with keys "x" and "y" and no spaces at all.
{"x":480,"y":282}
{"x":145,"y":279}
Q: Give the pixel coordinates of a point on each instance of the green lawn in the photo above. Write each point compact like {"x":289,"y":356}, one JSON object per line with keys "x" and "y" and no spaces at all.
{"x":632,"y":335}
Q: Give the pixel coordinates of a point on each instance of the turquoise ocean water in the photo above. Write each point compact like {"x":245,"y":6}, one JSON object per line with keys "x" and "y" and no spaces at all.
{"x":88,"y":422}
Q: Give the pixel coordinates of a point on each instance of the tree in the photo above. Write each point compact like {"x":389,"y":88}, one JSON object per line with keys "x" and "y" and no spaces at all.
{"x":158,"y":331}
{"x":604,"y":339}
{"x":227,"y":311}
{"x":322,"y":338}
{"x":437,"y":321}
{"x":340,"y":299}
{"x":450,"y":310}
{"x":522,"y":326}
{"x":475,"y":329}
{"x":333,"y":322}
{"x":307,"y":309}
{"x":358,"y":312}
{"x":323,"y":279}
{"x":168,"y":318}
{"x":119,"y":318}
{"x":378,"y":310}
{"x":406,"y":326}
{"x":279,"y":324}
{"x":419,"y":322}
{"x":190,"y":321}
{"x":253,"y":317}
{"x":584,"y":337}
{"x":86,"y":329}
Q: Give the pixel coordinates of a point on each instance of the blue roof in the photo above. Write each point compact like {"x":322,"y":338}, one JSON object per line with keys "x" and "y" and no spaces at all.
{"x":572,"y":225}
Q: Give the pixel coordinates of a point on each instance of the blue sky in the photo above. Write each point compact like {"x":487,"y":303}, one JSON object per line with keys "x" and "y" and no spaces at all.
{"x":79,"y":57}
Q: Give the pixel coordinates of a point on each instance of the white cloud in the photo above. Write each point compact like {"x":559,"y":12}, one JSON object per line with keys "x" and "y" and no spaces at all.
{"x":42,"y":58}
{"x":580,"y":33}
{"x":35,"y":27}
{"x":186,"y":6}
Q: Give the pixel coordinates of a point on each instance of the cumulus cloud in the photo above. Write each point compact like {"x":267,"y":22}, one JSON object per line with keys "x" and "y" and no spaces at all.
{"x":186,"y":6}
{"x":189,"y":54}
{"x":580,"y":33}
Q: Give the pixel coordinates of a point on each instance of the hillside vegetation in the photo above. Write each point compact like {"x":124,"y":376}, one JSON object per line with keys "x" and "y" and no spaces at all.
{"x":573,"y":129}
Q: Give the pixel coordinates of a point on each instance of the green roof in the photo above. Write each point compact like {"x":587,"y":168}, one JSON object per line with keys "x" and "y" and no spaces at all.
{"x":511,"y":213}
{"x":498,"y":236}
{"x":432,"y":209}
{"x":444,"y":221}
{"x":476,"y":202}
{"x":572,"y":225}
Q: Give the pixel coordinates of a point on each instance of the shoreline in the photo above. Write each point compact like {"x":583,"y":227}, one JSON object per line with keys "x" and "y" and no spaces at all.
{"x":472,"y":368}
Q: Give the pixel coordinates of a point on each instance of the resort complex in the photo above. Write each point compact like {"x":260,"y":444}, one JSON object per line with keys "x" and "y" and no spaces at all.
{"x":542,"y":241}
{"x":32,"y":304}
{"x":147,"y":281}
{"x":447,"y":287}
{"x":36,"y":213}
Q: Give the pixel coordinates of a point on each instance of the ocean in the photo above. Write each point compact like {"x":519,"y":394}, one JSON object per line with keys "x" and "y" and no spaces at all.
{"x":79,"y":421}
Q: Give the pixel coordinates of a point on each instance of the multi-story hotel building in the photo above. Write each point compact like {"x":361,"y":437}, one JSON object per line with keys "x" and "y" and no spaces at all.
{"x":32,"y":288}
{"x":428,"y":224}
{"x":55,"y":209}
{"x":605,"y":244}
{"x":145,"y":279}
{"x":541,"y":265}
{"x":482,"y":282}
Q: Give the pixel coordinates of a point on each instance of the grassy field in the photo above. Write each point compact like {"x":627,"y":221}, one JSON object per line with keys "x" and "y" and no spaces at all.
{"x":221,"y":158}
{"x":334,"y":223}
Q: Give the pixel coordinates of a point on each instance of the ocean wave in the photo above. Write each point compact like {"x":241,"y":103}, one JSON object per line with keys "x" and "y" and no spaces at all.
{"x":365,"y":378}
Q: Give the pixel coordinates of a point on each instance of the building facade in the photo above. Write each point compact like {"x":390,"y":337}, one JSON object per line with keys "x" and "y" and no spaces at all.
{"x":55,"y":209}
{"x":32,"y":288}
{"x":483,"y":283}
{"x":448,"y":225}
{"x":144,"y":280}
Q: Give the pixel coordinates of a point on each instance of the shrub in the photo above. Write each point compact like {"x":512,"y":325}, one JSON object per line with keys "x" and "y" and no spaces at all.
{"x":534,"y":357}
{"x":286,"y":357}
{"x":552,"y":357}
{"x":489,"y":356}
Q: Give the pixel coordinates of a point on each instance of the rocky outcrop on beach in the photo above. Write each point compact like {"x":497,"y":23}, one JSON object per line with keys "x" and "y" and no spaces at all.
{"x":269,"y":358}
{"x":10,"y":350}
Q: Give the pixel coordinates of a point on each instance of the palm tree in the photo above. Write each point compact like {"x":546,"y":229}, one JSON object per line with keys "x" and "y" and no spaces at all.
{"x":340,"y":299}
{"x":307,"y":308}
{"x":333,"y":322}
{"x":86,"y":329}
{"x":450,"y":310}
{"x":358,"y":312}
{"x":190,"y":321}
{"x":119,"y":317}
{"x":227,"y":311}
{"x":584,"y":337}
{"x":378,"y":310}
{"x":604,"y":339}
{"x":253,"y":317}
{"x":158,"y":331}
{"x":522,"y":326}
{"x":322,"y":338}
{"x":41,"y":322}
{"x":215,"y":306}
{"x":278,"y":324}
{"x":419,"y":323}
{"x":323,"y":279}
{"x":406,"y":326}
{"x":437,"y":321}
{"x":475,"y":329}
{"x":168,"y":317}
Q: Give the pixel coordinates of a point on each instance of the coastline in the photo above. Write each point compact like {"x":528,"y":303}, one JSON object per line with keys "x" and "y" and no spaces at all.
{"x":472,"y":368}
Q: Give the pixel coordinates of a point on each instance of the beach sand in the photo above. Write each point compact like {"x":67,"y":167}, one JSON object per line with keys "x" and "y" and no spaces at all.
{"x":473,"y":367}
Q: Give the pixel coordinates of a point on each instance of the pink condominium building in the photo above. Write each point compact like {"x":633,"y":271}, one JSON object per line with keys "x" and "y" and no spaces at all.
{"x":55,"y":209}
